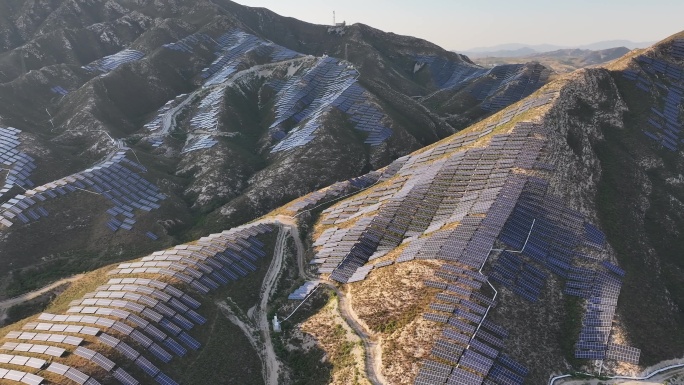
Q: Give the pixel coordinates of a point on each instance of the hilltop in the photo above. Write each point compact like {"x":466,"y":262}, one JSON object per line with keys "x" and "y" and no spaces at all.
{"x":408,"y":215}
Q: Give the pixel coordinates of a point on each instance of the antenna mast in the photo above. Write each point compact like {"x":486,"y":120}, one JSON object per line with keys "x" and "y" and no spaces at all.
{"x":334,"y":24}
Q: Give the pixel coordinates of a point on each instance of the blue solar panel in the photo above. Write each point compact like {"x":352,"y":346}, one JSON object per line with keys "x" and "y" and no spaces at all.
{"x":182,"y":321}
{"x":614,"y":269}
{"x":198,"y":319}
{"x":175,"y":347}
{"x":160,"y":353}
{"x":590,"y":355}
{"x":188,"y":341}
{"x":170,"y":327}
{"x":505,"y":376}
{"x":147,"y":366}
{"x":163,"y":379}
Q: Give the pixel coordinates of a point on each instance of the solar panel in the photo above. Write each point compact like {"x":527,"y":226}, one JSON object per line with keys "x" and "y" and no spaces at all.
{"x":175,"y":347}
{"x":163,"y":379}
{"x":127,"y":350}
{"x":147,"y":366}
{"x":77,"y":376}
{"x":513,"y":365}
{"x":188,"y":341}
{"x":623,"y":353}
{"x":460,"y":376}
{"x":160,"y":353}
{"x":441,"y":318}
{"x":590,"y":355}
{"x":57,"y":368}
{"x":124,"y":378}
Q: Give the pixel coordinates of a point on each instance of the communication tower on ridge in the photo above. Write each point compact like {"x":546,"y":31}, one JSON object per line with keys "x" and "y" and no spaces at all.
{"x":336,"y":24}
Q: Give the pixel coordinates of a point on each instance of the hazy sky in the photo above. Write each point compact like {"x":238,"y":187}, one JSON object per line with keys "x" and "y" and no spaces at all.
{"x":464,"y":24}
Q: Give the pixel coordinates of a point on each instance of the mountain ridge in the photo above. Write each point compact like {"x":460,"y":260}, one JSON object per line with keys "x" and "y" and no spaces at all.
{"x":496,"y":254}
{"x":517,"y":49}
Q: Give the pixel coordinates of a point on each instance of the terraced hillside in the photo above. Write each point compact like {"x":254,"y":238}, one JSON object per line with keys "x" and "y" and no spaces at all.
{"x":492,"y":256}
{"x":147,"y":123}
{"x":542,"y":239}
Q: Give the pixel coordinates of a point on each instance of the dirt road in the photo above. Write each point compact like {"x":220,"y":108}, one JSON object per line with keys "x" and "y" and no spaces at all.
{"x":271,"y":364}
{"x":372,"y":348}
{"x":8,"y":303}
{"x":675,"y":376}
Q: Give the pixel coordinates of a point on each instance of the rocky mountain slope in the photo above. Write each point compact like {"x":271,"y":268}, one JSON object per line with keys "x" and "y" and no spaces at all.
{"x":543,"y":239}
{"x":214,"y":113}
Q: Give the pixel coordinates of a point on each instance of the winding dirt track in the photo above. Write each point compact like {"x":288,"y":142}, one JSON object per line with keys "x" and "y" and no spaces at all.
{"x":272,"y":365}
{"x":256,"y":323}
{"x":372,"y":348}
{"x":260,"y":323}
{"x":8,"y":303}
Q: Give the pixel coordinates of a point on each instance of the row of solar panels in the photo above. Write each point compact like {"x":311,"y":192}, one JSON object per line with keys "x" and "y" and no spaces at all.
{"x":666,"y":124}
{"x":116,"y":179}
{"x":306,"y":97}
{"x":111,"y":62}
{"x":141,"y":302}
{"x":403,"y":214}
{"x":15,"y":162}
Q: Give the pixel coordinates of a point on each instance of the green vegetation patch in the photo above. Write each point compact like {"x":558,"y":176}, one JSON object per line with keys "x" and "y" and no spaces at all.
{"x":226,"y":358}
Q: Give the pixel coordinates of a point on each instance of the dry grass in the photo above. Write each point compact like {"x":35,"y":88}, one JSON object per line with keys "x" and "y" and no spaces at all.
{"x":344,"y":349}
{"x":391,"y":302}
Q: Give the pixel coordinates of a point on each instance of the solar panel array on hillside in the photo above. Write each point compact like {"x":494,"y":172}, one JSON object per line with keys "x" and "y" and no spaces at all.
{"x":515,"y":88}
{"x":231,"y":49}
{"x":667,"y":83}
{"x":335,"y":191}
{"x":470,"y":348}
{"x":303,"y":291}
{"x":59,"y":90}
{"x":234,"y":51}
{"x":188,"y":43}
{"x":137,"y":316}
{"x":20,"y":376}
{"x":355,"y":102}
{"x":305,"y":98}
{"x":452,"y":189}
{"x":543,"y":230}
{"x":111,"y":62}
{"x":498,"y":87}
{"x":677,"y":49}
{"x":206,"y":116}
{"x":17,"y":164}
{"x":436,"y":187}
{"x":451,"y":74}
{"x":117,"y":179}
{"x":198,"y":142}
{"x":474,"y":192}
{"x":167,"y":108}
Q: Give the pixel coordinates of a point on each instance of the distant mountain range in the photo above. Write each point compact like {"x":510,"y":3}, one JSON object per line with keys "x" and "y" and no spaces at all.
{"x":561,"y":61}
{"x":518,"y":50}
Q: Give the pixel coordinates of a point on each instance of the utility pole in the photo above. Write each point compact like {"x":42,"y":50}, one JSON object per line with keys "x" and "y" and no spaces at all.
{"x":334,"y":23}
